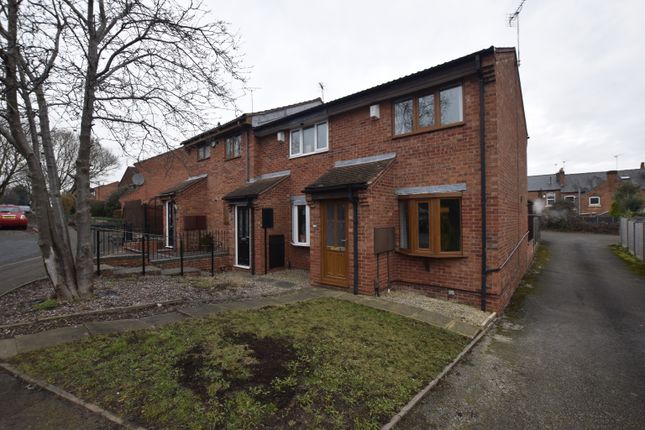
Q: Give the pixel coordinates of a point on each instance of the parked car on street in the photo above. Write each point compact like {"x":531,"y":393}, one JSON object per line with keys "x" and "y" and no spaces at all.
{"x":12,"y":216}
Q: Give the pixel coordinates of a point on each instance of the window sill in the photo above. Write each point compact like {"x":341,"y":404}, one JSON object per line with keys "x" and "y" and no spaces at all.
{"x":233,"y":158}
{"x":320,"y":151}
{"x":595,"y":206}
{"x":428,"y":130}
{"x":438,"y":256}
{"x":203,"y":159}
{"x":300,"y":245}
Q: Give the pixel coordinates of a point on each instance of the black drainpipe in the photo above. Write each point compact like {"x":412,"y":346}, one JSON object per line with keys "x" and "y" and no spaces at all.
{"x":252,"y":238}
{"x":354,"y":200}
{"x":482,"y":161}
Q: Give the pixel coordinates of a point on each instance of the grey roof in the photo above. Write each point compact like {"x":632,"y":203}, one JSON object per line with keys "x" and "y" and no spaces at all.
{"x":635,"y":175}
{"x":270,"y":115}
{"x":253,"y":189}
{"x":543,"y":183}
{"x":176,"y":189}
{"x":582,"y":181}
{"x":348,"y":175}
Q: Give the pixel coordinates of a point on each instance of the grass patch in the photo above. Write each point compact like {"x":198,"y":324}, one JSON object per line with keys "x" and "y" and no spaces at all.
{"x":527,"y":285}
{"x":324,"y":363}
{"x":46,"y":305}
{"x":634,"y":263}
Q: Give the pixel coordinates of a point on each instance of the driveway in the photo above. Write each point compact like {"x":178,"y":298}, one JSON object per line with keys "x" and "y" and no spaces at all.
{"x":571,"y":355}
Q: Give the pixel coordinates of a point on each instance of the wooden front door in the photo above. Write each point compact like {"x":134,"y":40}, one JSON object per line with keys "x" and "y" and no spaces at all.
{"x":334,"y":243}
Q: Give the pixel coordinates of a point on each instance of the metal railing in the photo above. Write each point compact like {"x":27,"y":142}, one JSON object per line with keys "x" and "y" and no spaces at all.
{"x":142,"y":249}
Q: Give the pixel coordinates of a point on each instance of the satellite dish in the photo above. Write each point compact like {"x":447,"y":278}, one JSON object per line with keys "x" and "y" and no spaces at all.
{"x":137,"y":179}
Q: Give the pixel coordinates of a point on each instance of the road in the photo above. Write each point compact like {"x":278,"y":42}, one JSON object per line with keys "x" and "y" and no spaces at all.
{"x":571,"y":355}
{"x":20,"y":259}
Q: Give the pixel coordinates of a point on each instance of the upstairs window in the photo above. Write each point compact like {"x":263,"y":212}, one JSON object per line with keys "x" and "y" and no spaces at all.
{"x":429,"y":111}
{"x":594,"y":201}
{"x":308,"y":140}
{"x":550,"y":199}
{"x":233,"y":145}
{"x":431,"y":226}
{"x":203,"y":152}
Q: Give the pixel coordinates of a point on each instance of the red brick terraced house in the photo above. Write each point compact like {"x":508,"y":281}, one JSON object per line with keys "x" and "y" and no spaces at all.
{"x":417,"y":183}
{"x":592,"y":193}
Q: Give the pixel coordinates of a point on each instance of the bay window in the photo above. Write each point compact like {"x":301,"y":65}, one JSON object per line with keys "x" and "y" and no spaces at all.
{"x":430,"y":226}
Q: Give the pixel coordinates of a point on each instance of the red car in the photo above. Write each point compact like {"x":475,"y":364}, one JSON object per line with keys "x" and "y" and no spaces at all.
{"x":12,"y":216}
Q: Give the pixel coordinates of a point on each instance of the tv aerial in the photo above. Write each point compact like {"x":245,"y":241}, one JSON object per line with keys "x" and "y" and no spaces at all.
{"x":513,"y":20}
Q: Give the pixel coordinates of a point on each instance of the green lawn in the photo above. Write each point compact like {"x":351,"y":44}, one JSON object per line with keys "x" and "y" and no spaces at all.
{"x":319,"y":364}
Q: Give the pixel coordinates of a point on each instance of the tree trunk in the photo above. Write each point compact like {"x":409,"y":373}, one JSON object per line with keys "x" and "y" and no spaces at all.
{"x":50,"y":239}
{"x":82,"y":182}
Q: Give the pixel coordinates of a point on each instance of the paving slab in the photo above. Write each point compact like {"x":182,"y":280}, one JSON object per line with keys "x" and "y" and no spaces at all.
{"x":116,"y":326}
{"x":203,"y":310}
{"x":30,"y":342}
{"x":161,"y":320}
{"x":7,"y":348}
{"x":431,"y":318}
{"x":131,"y":271}
{"x":463,"y":328}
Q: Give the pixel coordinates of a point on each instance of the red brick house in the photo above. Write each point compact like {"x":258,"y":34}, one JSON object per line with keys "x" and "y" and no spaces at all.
{"x":102,"y":192}
{"x":592,"y":193}
{"x":416,"y":183}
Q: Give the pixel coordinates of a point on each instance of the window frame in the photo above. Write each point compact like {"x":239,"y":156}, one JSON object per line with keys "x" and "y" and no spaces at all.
{"x":546,"y":199}
{"x":301,"y":145}
{"x":594,"y":205}
{"x":227,"y":142}
{"x":415,"y":97}
{"x":206,"y":148}
{"x":294,"y":225}
{"x":434,"y":212}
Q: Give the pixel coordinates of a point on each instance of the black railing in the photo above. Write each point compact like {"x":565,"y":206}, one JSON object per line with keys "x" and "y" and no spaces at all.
{"x":135,"y":248}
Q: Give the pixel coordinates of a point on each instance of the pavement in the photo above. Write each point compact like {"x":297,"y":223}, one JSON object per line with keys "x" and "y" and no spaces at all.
{"x":569,"y":355}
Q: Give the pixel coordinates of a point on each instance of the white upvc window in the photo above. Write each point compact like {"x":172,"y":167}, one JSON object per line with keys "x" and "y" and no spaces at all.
{"x":308,"y":140}
{"x":300,"y":225}
{"x":594,"y":201}
{"x":550,"y":199}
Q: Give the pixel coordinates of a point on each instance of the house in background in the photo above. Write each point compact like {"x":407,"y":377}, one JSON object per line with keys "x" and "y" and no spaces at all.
{"x":417,"y":183}
{"x":102,"y":192}
{"x":591,"y":193}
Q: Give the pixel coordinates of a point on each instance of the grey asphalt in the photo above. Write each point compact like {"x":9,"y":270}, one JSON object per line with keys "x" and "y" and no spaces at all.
{"x":24,"y":407}
{"x":570,"y":355}
{"x":20,"y":260}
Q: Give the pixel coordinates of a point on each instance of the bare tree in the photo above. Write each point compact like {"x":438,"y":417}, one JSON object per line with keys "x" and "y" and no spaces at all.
{"x":12,"y":166}
{"x":143,"y":70}
{"x":65,"y":142}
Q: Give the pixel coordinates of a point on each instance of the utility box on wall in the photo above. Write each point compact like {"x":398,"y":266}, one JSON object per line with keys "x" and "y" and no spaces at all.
{"x":383,"y":240}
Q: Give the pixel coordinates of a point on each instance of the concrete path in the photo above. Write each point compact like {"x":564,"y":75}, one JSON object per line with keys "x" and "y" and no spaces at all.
{"x":25,"y":343}
{"x":572,"y":356}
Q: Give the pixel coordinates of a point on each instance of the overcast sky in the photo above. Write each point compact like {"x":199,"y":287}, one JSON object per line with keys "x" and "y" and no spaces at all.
{"x":582,"y":62}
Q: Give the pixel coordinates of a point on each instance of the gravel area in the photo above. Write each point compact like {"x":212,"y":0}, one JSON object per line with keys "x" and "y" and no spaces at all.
{"x":464,"y":313}
{"x":28,"y":304}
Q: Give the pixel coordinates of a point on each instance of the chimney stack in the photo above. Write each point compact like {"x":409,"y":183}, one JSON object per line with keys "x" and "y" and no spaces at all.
{"x":642,"y":165}
{"x":560,"y":176}
{"x":612,"y":176}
